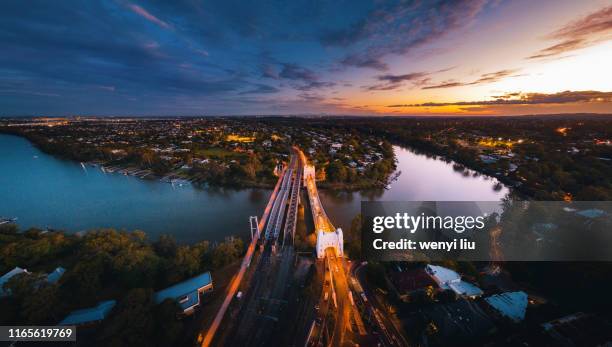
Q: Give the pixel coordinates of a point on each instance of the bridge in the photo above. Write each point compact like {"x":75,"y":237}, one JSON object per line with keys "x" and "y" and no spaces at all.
{"x":272,"y":219}
{"x":269,"y":293}
{"x":327,"y":235}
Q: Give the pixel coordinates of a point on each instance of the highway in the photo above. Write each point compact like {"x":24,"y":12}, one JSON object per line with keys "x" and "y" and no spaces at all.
{"x":209,"y":335}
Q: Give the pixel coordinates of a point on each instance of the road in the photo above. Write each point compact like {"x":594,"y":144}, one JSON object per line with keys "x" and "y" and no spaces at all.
{"x":391,"y":333}
{"x":341,"y":292}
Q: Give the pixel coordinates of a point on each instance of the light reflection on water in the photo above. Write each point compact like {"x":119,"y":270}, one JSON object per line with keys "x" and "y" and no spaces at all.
{"x":423,"y":178}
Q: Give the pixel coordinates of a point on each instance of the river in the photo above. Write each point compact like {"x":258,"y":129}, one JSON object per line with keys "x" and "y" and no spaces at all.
{"x":422,"y":178}
{"x":42,"y":190}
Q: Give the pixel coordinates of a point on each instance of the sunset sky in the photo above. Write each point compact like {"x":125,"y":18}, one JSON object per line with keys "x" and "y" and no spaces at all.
{"x":304,"y":57}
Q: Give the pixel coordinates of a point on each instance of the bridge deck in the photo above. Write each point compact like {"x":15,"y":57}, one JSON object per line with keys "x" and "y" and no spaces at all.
{"x":319,"y":216}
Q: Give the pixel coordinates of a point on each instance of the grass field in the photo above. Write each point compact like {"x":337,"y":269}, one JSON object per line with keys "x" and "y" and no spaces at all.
{"x":218,"y":153}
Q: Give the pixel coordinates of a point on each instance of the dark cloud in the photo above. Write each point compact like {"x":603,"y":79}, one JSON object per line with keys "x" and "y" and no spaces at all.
{"x":448,"y":84}
{"x":401,"y":78}
{"x":315,"y":85}
{"x":366,"y":61}
{"x":397,"y":27}
{"x":390,"y":82}
{"x":484,"y":78}
{"x":295,"y":72}
{"x":584,"y":32}
{"x":527,"y":99}
{"x":299,"y":77}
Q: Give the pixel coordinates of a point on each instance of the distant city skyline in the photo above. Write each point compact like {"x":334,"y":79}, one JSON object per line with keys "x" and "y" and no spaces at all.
{"x":476,"y":57}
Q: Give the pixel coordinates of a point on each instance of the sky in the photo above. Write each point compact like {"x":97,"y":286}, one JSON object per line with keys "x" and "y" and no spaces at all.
{"x":267,"y":57}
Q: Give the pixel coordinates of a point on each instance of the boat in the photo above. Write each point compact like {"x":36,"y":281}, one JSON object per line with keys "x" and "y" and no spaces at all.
{"x":7,"y":220}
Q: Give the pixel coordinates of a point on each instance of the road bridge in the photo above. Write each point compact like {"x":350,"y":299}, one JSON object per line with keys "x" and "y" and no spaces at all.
{"x":327,"y":235}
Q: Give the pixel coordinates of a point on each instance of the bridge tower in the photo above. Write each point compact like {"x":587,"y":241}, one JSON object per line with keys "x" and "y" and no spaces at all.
{"x":332,"y":239}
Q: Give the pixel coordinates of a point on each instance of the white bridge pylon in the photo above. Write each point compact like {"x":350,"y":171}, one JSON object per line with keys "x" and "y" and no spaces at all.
{"x":327,"y":235}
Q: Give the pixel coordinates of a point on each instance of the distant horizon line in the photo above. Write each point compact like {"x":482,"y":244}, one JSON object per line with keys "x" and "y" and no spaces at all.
{"x":310,"y":116}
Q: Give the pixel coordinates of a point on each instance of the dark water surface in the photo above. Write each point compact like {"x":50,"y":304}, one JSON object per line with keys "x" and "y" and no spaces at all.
{"x":42,"y":190}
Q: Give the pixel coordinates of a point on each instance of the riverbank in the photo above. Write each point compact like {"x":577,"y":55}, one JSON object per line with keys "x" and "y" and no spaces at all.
{"x":181,"y":174}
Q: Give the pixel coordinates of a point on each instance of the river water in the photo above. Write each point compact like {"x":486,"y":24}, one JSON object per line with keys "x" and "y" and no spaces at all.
{"x":44,"y":191}
{"x":422,"y":178}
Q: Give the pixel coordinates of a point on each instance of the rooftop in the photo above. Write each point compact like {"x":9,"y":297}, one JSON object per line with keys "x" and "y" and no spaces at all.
{"x":512,"y":305}
{"x":449,"y":279}
{"x":55,"y":275}
{"x":186,"y":293}
{"x":87,"y":315}
{"x":7,"y":276}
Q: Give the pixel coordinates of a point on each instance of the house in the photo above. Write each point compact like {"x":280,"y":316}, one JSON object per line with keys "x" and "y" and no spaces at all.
{"x":511,"y":305}
{"x":449,"y":279}
{"x":7,"y":276}
{"x":89,"y":315}
{"x":187,"y":293}
{"x":55,"y":275}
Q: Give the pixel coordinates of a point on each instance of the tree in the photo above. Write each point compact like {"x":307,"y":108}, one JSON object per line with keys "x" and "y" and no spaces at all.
{"x":354,"y":238}
{"x":43,"y":307}
{"x":336,"y":172}
{"x":227,"y":252}
{"x":166,"y":246}
{"x":168,"y":330}
{"x":83,"y":283}
{"x":132,"y":323}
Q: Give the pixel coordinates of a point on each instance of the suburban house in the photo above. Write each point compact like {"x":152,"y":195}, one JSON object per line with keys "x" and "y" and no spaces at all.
{"x":55,"y":275}
{"x":7,"y":276}
{"x":89,"y":315}
{"x":449,"y":279}
{"x":511,"y":305}
{"x":187,"y":294}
